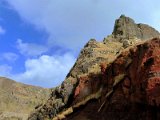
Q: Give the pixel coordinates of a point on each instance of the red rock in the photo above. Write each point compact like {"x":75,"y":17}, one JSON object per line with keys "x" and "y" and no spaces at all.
{"x":137,"y":96}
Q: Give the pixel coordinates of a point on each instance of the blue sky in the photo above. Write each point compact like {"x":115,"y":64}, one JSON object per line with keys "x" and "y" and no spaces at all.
{"x":41,"y":39}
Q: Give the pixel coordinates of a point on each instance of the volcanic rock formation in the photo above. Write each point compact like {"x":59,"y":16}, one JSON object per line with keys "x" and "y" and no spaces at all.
{"x":114,"y":79}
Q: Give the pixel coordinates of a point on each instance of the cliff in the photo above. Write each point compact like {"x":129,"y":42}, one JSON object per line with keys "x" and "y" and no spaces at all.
{"x":131,"y":87}
{"x":114,"y":79}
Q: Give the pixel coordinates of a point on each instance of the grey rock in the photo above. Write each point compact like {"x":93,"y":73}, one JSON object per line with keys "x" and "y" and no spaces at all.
{"x":126,"y":28}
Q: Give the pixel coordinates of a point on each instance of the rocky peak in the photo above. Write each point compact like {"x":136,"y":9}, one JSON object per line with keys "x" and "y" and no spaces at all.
{"x":101,"y":70}
{"x":126,"y":28}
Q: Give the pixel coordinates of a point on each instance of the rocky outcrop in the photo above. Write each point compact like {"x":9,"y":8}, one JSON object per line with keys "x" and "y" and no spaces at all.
{"x":17,"y":100}
{"x":126,"y":28}
{"x":128,"y":32}
{"x":131,"y":87}
{"x":93,"y":54}
{"x":99,"y":72}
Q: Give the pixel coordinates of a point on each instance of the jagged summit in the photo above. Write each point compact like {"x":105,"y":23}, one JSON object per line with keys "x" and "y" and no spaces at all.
{"x":126,"y":28}
{"x":127,"y":32}
{"x":111,"y":73}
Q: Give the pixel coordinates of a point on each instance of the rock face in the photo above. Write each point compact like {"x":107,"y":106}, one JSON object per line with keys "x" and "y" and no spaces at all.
{"x":126,"y":28}
{"x":93,"y":54}
{"x":131,"y":87}
{"x":18,"y":100}
{"x":114,"y":79}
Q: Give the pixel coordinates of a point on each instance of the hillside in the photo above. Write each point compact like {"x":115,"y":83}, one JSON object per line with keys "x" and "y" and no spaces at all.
{"x":17,"y":100}
{"x":117,"y":78}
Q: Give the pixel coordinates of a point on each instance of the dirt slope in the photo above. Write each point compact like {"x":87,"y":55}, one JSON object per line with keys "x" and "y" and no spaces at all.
{"x":18,"y":100}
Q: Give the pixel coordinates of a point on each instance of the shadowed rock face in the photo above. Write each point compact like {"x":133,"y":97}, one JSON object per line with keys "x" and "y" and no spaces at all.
{"x":114,"y":67}
{"x":136,"y":96}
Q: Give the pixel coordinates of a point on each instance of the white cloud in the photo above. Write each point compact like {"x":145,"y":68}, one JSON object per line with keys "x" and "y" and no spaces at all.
{"x":2,"y":30}
{"x":46,"y":71}
{"x":30,"y":49}
{"x":9,"y":56}
{"x":72,"y":23}
{"x":69,"y":23}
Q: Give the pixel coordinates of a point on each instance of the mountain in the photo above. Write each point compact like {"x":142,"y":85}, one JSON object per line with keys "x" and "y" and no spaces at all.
{"x":17,"y":100}
{"x":116,"y":79}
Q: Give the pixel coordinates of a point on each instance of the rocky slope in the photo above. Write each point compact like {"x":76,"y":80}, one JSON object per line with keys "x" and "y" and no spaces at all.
{"x":18,"y":100}
{"x":131,"y":87}
{"x":110,"y":79}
